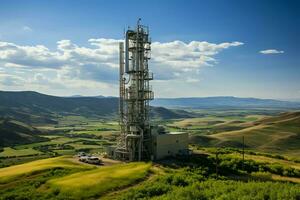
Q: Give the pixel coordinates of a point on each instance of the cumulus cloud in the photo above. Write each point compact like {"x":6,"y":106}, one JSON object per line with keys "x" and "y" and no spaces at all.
{"x":97,"y":63}
{"x":271,"y":51}
{"x":29,"y":56}
{"x":178,"y":56}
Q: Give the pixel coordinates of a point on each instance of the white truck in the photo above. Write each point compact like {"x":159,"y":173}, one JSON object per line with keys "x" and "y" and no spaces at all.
{"x":90,"y":159}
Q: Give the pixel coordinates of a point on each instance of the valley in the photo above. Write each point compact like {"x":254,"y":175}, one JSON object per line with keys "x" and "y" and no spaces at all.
{"x":38,"y":159}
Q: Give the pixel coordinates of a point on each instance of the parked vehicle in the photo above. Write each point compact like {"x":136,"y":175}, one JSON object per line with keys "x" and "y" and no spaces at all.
{"x":94,"y":160}
{"x":90,"y":159}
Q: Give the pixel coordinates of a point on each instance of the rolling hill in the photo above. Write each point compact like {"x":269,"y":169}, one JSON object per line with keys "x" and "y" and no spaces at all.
{"x":66,"y":178}
{"x":33,"y":107}
{"x":13,"y":132}
{"x":222,"y":102}
{"x":271,"y":134}
{"x":36,"y":108}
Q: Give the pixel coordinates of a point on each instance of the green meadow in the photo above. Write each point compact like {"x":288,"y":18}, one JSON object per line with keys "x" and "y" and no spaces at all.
{"x":10,"y":152}
{"x":66,"y":178}
{"x":94,"y":183}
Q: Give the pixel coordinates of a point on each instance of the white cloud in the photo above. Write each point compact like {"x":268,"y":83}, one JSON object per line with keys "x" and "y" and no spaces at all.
{"x":72,"y":67}
{"x":177,"y":57}
{"x":11,"y":80}
{"x":195,"y":54}
{"x":26,"y":29}
{"x":192,"y":80}
{"x":271,"y":51}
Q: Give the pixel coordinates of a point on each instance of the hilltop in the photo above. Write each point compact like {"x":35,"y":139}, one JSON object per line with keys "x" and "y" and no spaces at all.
{"x":279,"y":134}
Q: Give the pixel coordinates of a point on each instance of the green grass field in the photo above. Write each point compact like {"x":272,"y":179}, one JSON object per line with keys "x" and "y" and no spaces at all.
{"x":65,"y":178}
{"x":96,"y":182}
{"x":10,"y":152}
{"x":13,"y":172}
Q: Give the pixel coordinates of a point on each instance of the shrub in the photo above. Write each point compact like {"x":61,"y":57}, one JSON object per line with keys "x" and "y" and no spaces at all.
{"x":262,"y":176}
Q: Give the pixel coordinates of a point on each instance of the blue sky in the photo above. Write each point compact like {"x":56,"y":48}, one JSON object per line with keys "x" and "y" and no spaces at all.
{"x":240,"y":48}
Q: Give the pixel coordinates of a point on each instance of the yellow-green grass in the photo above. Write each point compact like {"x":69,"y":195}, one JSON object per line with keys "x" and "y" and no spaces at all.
{"x":279,"y":134}
{"x":196,"y":122}
{"x":56,"y":140}
{"x":93,"y":132}
{"x":285,"y":178}
{"x":10,"y":152}
{"x":79,"y":123}
{"x":51,"y":137}
{"x":13,"y":172}
{"x":80,"y":145}
{"x":255,"y":117}
{"x":94,"y":183}
{"x":156,"y":171}
{"x":85,"y":122}
{"x":292,"y":154}
{"x":262,"y":137}
{"x":65,"y":151}
{"x":265,"y":159}
{"x":211,"y":124}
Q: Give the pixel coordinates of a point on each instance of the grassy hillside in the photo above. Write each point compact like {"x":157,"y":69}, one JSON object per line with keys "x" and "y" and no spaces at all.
{"x":13,"y":132}
{"x":66,"y":178}
{"x":13,"y":172}
{"x":96,"y":182}
{"x":279,"y":134}
{"x":216,"y":121}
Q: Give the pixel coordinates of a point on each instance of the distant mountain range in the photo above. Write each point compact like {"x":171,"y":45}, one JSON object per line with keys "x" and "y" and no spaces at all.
{"x":33,"y":107}
{"x":99,"y":96}
{"x":222,"y":102}
{"x":36,"y":108}
{"x":218,"y":102}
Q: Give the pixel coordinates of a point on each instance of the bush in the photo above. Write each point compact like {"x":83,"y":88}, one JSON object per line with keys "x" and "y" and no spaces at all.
{"x":261,"y":176}
{"x":148,"y":190}
{"x":215,"y":189}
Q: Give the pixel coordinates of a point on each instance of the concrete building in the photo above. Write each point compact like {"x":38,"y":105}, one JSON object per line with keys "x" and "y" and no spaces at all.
{"x":170,"y":144}
{"x":164,"y":144}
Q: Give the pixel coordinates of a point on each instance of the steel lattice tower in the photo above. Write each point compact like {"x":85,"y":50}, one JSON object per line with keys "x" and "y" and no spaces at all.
{"x":135,"y":142}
